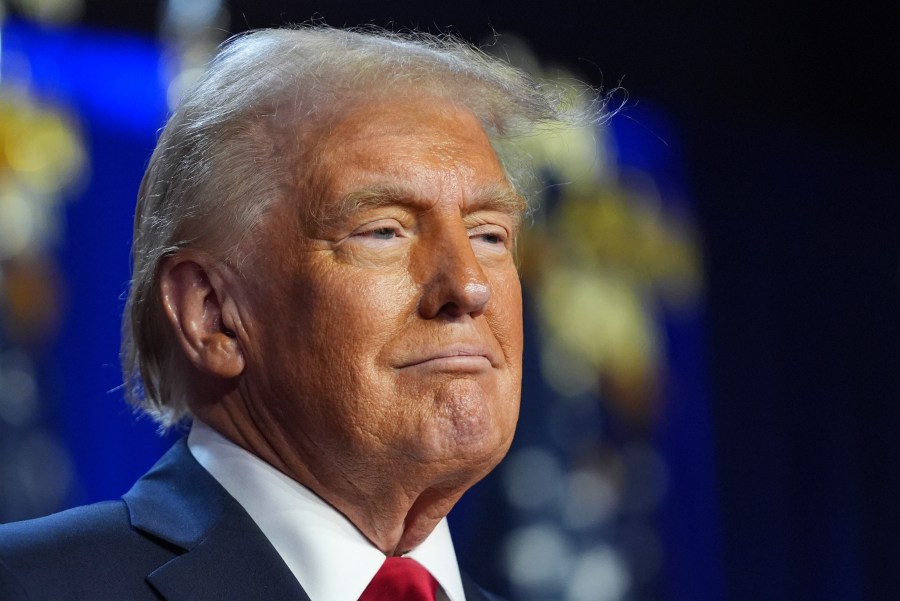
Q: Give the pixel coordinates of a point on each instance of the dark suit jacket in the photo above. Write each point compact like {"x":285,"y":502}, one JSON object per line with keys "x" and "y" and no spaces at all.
{"x":176,"y":535}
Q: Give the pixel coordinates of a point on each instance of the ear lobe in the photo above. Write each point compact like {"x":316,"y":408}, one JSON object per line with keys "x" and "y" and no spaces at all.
{"x":193,"y":304}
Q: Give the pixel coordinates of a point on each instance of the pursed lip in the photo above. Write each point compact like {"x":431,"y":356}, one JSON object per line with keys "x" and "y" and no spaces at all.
{"x":460,"y":355}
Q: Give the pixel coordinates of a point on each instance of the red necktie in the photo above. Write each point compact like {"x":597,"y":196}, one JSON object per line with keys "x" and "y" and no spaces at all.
{"x":401,"y":579}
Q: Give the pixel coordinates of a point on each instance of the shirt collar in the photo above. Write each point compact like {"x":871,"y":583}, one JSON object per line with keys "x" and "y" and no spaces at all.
{"x":326,"y":553}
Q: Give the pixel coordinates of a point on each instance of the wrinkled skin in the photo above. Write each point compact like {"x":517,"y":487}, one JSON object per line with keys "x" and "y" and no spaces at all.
{"x":377,"y":344}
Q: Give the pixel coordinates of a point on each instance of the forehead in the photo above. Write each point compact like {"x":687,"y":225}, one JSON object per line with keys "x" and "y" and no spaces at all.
{"x":430,"y":147}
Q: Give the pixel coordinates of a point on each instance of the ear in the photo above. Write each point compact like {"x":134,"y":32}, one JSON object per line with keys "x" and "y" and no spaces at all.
{"x":193,"y":300}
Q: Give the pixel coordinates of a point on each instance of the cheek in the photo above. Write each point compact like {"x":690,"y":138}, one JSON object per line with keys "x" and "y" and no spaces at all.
{"x":355,"y":312}
{"x":506,"y":314}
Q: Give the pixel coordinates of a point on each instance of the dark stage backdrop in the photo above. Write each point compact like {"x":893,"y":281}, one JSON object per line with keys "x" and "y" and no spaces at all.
{"x":611,"y":492}
{"x":776,"y":124}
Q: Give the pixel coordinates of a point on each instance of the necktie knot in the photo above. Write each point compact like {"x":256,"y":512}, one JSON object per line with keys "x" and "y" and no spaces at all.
{"x":401,"y":579}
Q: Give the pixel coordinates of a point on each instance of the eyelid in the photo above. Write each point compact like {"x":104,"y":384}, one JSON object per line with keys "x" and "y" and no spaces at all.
{"x":489,"y":228}
{"x":504,"y":244}
{"x":507,"y":221}
{"x":379,"y":224}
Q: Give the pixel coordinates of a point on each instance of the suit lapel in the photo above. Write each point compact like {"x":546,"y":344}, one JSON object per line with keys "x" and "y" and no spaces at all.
{"x":234,"y":562}
{"x":474,"y":592}
{"x":220,"y":553}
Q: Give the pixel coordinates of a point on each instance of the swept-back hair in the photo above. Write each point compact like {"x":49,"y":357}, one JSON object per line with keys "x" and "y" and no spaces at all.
{"x":231,"y":149}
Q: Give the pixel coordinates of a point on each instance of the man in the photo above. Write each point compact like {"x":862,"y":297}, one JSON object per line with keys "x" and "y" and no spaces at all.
{"x":324,"y":283}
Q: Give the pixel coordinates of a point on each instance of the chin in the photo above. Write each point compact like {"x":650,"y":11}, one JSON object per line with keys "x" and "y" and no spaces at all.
{"x":471,"y":426}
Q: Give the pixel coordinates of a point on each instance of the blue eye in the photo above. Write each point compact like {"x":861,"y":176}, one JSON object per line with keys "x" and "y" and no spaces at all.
{"x":384,"y":233}
{"x":492,"y":238}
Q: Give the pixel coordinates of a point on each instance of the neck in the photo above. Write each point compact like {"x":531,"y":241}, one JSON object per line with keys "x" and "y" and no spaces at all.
{"x":396,"y":514}
{"x":398,"y":533}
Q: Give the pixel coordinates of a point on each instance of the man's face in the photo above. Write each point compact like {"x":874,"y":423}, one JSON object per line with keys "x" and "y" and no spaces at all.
{"x":385,"y":329}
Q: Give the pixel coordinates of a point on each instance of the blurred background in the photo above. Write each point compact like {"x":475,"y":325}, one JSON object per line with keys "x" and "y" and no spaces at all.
{"x":711,"y":406}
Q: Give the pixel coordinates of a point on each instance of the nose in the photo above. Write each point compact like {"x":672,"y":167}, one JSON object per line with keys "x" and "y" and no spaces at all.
{"x":456,"y":284}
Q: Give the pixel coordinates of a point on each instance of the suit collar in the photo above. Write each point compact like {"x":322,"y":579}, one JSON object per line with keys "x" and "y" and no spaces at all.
{"x":474,"y":592}
{"x":233,"y":562}
{"x":222,"y":553}
{"x":177,"y":500}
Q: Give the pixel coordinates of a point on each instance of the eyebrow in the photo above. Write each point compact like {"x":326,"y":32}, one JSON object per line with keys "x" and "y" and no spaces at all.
{"x":494,"y":197}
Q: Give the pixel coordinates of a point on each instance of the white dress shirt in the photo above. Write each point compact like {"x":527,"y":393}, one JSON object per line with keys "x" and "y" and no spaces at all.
{"x":330,"y":558}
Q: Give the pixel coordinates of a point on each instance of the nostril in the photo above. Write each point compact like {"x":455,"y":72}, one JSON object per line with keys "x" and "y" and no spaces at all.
{"x":451,"y":310}
{"x":449,"y":298}
{"x":470,"y":299}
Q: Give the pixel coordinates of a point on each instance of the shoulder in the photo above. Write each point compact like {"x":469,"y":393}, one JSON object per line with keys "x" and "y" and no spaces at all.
{"x":74,"y":525}
{"x":482,"y":595}
{"x":474,"y":592}
{"x":75,"y":554}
